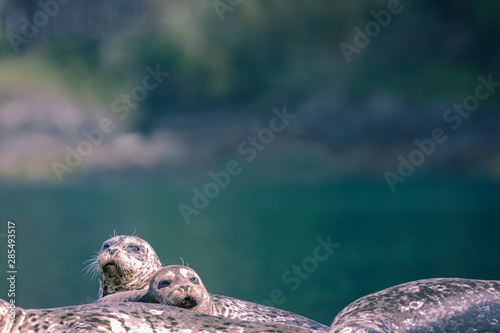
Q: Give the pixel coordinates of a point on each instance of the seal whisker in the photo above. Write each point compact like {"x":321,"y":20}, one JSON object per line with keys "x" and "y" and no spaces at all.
{"x":92,"y":266}
{"x":91,"y":260}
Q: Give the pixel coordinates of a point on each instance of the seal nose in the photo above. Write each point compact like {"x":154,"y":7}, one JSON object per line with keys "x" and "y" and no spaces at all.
{"x":185,"y":288}
{"x":111,"y":251}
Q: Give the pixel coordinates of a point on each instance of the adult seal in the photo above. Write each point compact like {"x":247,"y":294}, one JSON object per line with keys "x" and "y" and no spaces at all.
{"x":432,"y":305}
{"x":180,"y":286}
{"x":126,"y":317}
{"x":124,"y":263}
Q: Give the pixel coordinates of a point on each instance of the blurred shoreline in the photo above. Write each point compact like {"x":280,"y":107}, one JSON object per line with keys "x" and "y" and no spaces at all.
{"x":37,"y":128}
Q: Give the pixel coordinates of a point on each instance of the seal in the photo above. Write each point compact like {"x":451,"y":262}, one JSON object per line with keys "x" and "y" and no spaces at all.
{"x":431,"y":305}
{"x":180,"y":286}
{"x":126,"y":317}
{"x":124,"y":263}
{"x":174,"y":285}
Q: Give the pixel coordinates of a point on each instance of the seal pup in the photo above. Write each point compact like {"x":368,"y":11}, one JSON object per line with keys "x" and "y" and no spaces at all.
{"x":431,"y":305}
{"x":180,"y":286}
{"x":124,"y":263}
{"x":126,"y":317}
{"x":174,"y":285}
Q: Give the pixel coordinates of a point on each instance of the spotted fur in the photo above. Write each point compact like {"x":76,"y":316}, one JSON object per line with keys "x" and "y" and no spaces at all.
{"x":432,"y":305}
{"x":128,"y":317}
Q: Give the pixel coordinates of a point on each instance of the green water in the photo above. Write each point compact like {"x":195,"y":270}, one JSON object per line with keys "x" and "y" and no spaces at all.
{"x":257,"y":229}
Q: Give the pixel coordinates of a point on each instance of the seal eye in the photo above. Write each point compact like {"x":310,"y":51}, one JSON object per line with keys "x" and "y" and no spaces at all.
{"x":134,"y":248}
{"x":105,"y":246}
{"x":193,"y":280}
{"x":164,"y":283}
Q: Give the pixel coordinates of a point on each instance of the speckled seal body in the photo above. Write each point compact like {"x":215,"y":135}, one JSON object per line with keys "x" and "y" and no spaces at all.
{"x":125,"y":263}
{"x":127,"y":317}
{"x":234,"y":308}
{"x":180,"y":286}
{"x":432,"y":305}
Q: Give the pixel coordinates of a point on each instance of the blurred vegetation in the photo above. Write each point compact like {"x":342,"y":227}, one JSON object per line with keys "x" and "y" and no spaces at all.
{"x":270,"y":50}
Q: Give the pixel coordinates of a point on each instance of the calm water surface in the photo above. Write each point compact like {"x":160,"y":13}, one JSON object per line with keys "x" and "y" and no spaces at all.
{"x":257,"y":239}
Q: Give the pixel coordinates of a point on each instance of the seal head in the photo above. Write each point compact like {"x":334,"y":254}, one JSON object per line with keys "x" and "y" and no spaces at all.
{"x":181,"y":287}
{"x":124,"y":263}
